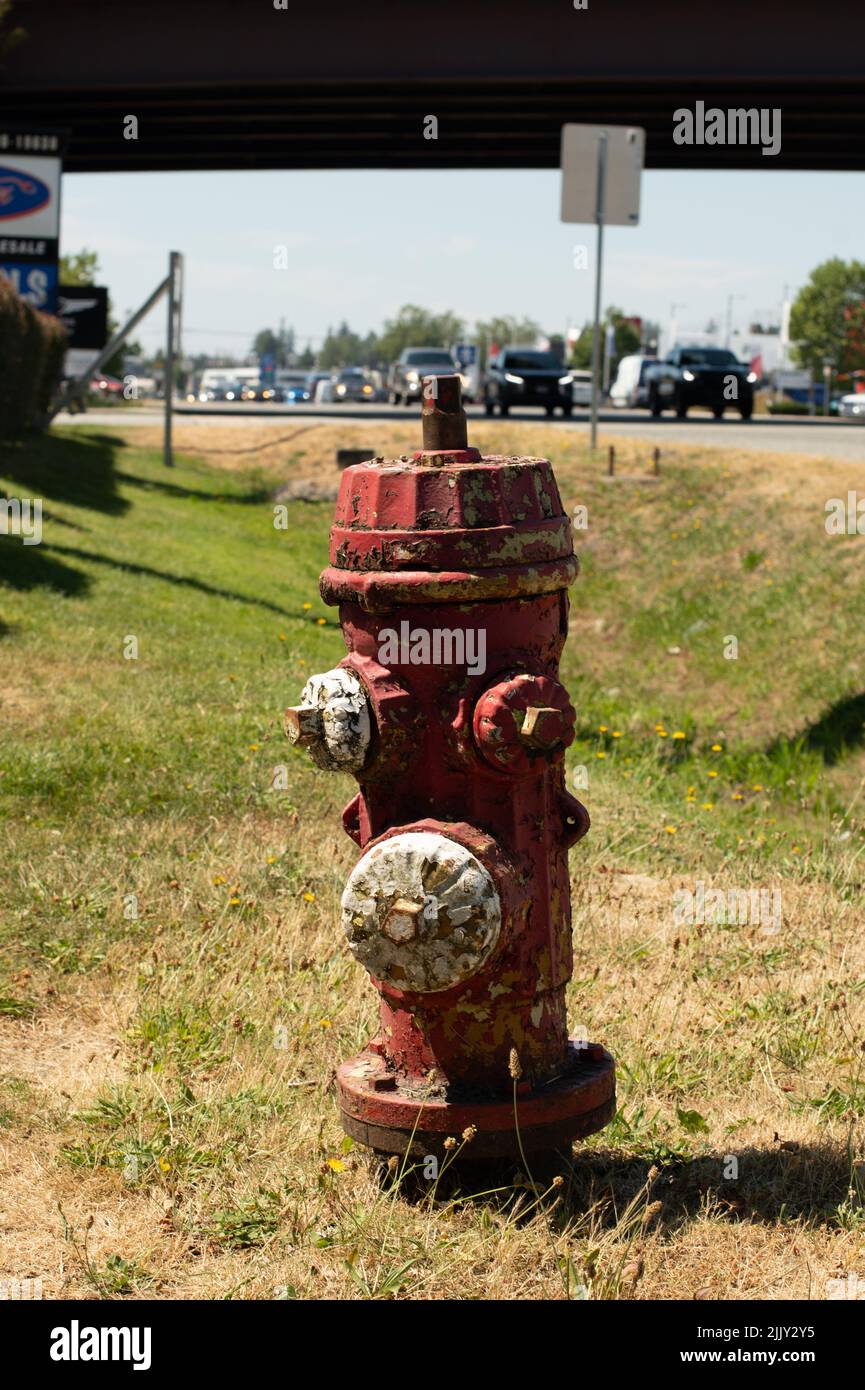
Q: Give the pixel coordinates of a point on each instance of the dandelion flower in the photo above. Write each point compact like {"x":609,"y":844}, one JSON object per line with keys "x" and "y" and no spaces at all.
{"x":220,"y":878}
{"x":713,"y":774}
{"x":325,"y":1023}
{"x":309,"y":897}
{"x":716,"y":748}
{"x":307,"y":607}
{"x":336,"y":1165}
{"x":670,"y":829}
{"x":678,"y":734}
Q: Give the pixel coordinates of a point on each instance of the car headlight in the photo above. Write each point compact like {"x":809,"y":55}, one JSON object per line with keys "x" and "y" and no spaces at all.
{"x":752,"y":377}
{"x":566,"y":381}
{"x":517,"y":380}
{"x":412,"y":377}
{"x":340,"y":390}
{"x":688,"y":376}
{"x":367,"y":390}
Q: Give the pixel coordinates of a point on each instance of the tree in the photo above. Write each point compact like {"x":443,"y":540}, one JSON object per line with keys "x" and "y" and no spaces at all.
{"x":10,"y":34}
{"x":345,"y":348}
{"x":626,"y":340}
{"x":267,"y":344}
{"x":505,"y":332}
{"x":827,"y":320}
{"x":82,"y":268}
{"x":417,"y":327}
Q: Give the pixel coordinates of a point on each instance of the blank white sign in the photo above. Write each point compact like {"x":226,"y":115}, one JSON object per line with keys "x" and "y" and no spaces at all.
{"x":625,"y":153}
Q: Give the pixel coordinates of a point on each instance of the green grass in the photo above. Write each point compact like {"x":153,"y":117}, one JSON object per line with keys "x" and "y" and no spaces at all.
{"x":158,"y":893}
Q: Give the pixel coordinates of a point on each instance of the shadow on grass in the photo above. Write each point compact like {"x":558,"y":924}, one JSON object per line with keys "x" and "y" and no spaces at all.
{"x":840,"y":730}
{"x":773,"y":1186}
{"x":182,"y":581}
{"x":256,"y":494}
{"x":78,"y":471}
{"x":28,"y":567}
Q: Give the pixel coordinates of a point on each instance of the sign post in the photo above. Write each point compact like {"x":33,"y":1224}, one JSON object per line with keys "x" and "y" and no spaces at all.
{"x":172,"y":347}
{"x":601,"y":175}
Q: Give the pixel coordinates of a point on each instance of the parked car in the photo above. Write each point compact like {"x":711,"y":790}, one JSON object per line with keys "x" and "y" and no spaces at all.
{"x":214,"y":392}
{"x":581,"y":387}
{"x":353,"y":384}
{"x":701,"y":376}
{"x":853,"y":407}
{"x":528,"y":376}
{"x":413,"y":364}
{"x":629,"y":387}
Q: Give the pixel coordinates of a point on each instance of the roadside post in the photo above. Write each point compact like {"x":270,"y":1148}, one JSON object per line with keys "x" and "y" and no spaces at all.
{"x":602,"y":168}
{"x":172,"y":348}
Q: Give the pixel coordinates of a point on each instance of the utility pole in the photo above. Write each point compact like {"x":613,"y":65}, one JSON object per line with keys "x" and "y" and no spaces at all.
{"x":596,"y":335}
{"x":674,"y":327}
{"x":173,"y":345}
{"x":729,"y":332}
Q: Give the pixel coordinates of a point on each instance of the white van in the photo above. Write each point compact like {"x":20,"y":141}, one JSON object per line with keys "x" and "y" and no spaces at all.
{"x":629,"y":387}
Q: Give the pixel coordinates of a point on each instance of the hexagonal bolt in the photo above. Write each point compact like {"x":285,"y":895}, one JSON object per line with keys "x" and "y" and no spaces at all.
{"x":304,"y":725}
{"x":543,"y":727}
{"x":401,"y":922}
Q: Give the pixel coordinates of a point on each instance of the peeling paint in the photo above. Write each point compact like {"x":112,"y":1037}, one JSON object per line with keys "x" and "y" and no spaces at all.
{"x":421,"y":912}
{"x":346,"y":727}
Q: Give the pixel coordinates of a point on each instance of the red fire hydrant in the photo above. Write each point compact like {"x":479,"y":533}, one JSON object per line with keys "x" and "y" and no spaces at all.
{"x":451,"y":573}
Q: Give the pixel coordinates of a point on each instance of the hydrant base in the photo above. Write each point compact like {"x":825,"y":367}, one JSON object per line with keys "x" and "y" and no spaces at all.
{"x":380,"y":1111}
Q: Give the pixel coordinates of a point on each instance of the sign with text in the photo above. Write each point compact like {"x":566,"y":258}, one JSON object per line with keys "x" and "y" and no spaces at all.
{"x":30,"y":168}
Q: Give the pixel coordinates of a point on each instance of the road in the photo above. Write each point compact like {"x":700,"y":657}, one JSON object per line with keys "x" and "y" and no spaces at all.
{"x":831,"y":437}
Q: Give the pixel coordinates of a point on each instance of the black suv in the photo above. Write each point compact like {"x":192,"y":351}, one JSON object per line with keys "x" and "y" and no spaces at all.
{"x":527,"y":376}
{"x":708,"y":376}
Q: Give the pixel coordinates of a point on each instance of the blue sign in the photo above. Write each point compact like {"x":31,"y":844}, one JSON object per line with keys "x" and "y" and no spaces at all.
{"x":21,"y":194}
{"x":466,"y":354}
{"x":266,"y":369}
{"x":36,"y":284}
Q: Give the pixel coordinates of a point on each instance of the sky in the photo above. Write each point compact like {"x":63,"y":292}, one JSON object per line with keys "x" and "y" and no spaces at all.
{"x":362,"y":243}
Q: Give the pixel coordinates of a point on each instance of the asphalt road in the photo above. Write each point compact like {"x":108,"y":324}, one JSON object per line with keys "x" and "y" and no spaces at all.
{"x":829,"y":437}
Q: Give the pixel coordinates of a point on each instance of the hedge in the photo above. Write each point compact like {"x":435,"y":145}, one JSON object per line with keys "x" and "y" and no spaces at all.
{"x":32,"y":348}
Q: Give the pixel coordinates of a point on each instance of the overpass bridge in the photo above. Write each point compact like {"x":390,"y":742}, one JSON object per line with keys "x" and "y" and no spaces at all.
{"x":335,"y":84}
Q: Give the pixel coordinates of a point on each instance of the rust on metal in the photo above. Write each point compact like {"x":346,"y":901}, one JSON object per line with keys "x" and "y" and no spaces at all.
{"x":459,"y":903}
{"x":443,"y":419}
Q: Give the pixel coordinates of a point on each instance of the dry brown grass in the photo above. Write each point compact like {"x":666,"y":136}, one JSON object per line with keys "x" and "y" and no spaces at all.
{"x":158,"y":1135}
